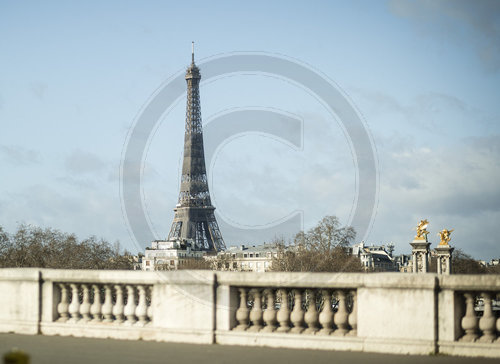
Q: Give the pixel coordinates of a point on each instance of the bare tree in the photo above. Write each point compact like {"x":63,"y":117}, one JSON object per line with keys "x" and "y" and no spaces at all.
{"x":463,"y":263}
{"x":324,"y":248}
{"x":32,"y":246}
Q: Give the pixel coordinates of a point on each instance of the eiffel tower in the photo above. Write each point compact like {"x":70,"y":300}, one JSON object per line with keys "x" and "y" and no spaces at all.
{"x":194,"y":220}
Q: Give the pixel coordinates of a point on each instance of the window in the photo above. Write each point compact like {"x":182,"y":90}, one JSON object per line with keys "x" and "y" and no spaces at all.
{"x":148,"y":263}
{"x":235,"y":265}
{"x":245,"y":255}
{"x":257,"y":255}
{"x":251,"y":255}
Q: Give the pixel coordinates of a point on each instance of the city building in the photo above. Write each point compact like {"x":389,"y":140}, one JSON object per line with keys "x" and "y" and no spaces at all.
{"x":403,"y":263}
{"x":169,"y":255}
{"x":491,"y":263}
{"x":376,"y":257}
{"x":247,"y":258}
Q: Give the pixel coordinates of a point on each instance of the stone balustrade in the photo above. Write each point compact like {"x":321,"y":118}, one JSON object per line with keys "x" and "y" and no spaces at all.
{"x":104,"y":303}
{"x":297,"y":310}
{"x":379,"y":312}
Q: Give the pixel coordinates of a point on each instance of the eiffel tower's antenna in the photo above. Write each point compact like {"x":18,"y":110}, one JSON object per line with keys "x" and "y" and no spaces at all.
{"x":192,"y":52}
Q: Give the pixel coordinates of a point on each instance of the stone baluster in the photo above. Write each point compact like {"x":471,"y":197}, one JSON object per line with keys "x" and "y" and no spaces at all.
{"x":311,"y":315}
{"x":62,"y":307}
{"x":129,"y":309}
{"x":487,"y":322}
{"x":95,"y":309}
{"x":326,"y":315}
{"x":74,"y":307}
{"x":149,"y":310}
{"x":256,"y":311}
{"x":469,"y":321}
{"x":107,"y":307}
{"x":242,"y":312}
{"x":118,"y":306}
{"x":85,"y":306}
{"x":353,"y":316}
{"x":341,"y":316}
{"x":270,"y":312}
{"x":297,"y":315}
{"x":283,"y":315}
{"x":142,"y":308}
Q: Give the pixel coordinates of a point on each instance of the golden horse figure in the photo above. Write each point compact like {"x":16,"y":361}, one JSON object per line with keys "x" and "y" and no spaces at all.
{"x":421,"y":230}
{"x":445,"y":236}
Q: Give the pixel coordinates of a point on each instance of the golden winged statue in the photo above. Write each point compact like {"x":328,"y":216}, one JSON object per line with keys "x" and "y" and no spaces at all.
{"x":445,"y":236}
{"x":421,"y":230}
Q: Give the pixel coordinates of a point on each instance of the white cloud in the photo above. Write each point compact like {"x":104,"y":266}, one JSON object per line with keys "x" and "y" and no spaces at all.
{"x":448,"y":17}
{"x":83,"y":162}
{"x":19,"y":155}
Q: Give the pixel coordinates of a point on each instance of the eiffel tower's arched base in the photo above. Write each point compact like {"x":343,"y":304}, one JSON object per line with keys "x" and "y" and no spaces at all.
{"x":198,"y":226}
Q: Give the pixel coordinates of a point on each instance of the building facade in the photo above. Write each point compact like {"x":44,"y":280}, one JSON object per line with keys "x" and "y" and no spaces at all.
{"x":247,"y":258}
{"x":376,"y":257}
{"x":169,"y":255}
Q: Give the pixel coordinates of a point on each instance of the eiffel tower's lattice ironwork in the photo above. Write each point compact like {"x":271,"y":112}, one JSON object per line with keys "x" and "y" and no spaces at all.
{"x":194,"y":219}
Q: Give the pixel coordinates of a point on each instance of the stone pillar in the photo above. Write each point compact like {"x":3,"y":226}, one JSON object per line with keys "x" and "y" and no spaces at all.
{"x":420,"y":250}
{"x":444,"y":258}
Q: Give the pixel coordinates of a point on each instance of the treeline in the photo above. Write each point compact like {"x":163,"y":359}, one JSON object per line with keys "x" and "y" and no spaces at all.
{"x":32,"y":246}
{"x":463,"y":263}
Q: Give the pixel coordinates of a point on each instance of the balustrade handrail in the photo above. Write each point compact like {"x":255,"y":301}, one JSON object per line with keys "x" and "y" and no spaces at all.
{"x":128,"y":277}
{"x":327,"y":280}
{"x":20,"y":274}
{"x":470,"y":282}
{"x":457,"y":282}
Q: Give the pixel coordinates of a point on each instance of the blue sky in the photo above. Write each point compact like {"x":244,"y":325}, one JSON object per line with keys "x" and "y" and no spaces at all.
{"x":424,"y":75}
